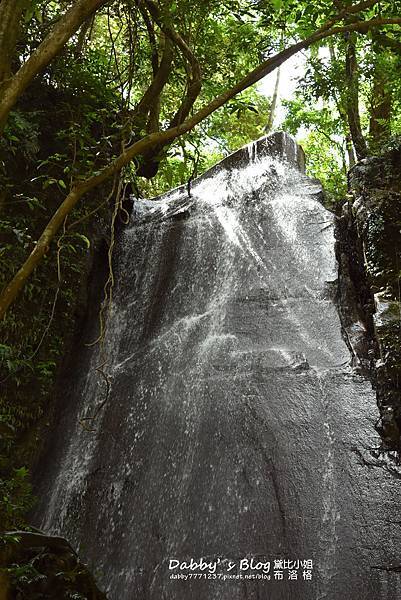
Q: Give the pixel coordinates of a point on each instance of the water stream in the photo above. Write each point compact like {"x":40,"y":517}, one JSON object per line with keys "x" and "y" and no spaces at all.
{"x":235,"y":427}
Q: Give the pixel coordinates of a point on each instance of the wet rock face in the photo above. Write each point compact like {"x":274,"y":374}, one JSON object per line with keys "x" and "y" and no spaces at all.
{"x":376,"y":208}
{"x":353,"y":294}
{"x":234,"y":428}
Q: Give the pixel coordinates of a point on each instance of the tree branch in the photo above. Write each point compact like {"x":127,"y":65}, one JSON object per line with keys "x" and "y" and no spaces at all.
{"x":381,"y":38}
{"x":158,"y":83}
{"x":65,"y":27}
{"x":171,"y":33}
{"x":10,"y":16}
{"x":387,"y":42}
{"x":152,"y":37}
{"x":82,"y":37}
{"x":151,"y":160}
{"x":194,"y":78}
{"x":140,"y":147}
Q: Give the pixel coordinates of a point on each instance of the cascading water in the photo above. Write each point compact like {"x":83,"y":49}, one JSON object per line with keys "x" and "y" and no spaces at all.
{"x":234,"y":427}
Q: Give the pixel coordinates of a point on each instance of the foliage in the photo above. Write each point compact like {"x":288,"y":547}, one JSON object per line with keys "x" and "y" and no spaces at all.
{"x":44,"y":146}
{"x":97,"y":96}
{"x":323,"y":164}
{"x":319,"y":131}
{"x":48,"y":574}
{"x":15,"y":498}
{"x":238,"y":123}
{"x":325,"y":103}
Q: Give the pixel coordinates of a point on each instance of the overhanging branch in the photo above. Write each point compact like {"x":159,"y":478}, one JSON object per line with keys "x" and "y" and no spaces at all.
{"x":194,"y":75}
{"x":65,"y":27}
{"x":162,"y":138}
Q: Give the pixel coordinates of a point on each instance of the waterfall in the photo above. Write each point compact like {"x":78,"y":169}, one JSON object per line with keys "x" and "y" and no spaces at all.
{"x":220,"y":421}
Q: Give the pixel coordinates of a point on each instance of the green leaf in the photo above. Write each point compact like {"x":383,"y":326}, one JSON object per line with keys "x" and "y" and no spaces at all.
{"x":21,"y":473}
{"x":29,"y":14}
{"x":277,"y":4}
{"x":84,"y":239}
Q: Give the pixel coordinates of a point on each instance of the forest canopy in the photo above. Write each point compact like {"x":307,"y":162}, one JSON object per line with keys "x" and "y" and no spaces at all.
{"x":130,"y":78}
{"x":100,"y":100}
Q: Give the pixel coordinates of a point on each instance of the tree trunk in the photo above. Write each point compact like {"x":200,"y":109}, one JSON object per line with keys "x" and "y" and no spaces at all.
{"x":381,"y":106}
{"x":82,"y":37}
{"x":350,"y":151}
{"x":65,"y":27}
{"x":343,"y":116}
{"x":352,"y":100}
{"x":273,"y":107}
{"x":10,"y":17}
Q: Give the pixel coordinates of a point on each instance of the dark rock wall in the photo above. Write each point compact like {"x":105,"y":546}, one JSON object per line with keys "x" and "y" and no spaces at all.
{"x":374,"y":213}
